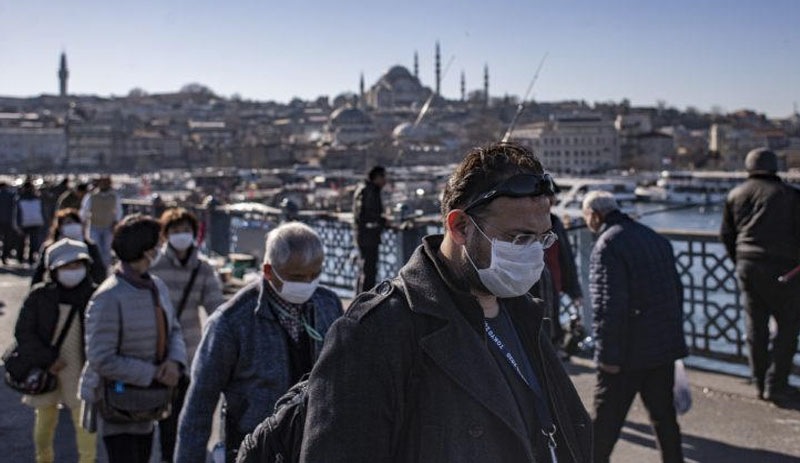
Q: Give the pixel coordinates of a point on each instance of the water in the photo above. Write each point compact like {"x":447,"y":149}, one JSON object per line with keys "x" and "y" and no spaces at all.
{"x":696,"y":218}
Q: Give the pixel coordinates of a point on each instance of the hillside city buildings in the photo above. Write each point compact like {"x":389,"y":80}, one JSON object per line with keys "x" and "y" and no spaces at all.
{"x":383,"y":122}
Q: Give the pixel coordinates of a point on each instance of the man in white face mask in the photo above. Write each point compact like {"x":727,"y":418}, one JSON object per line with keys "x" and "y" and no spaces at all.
{"x":259,"y":343}
{"x":452,"y":356}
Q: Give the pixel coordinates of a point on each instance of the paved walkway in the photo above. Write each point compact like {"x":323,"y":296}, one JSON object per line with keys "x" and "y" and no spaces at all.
{"x":726,"y":424}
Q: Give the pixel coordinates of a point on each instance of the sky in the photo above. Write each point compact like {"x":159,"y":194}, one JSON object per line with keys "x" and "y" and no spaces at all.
{"x":710,"y":54}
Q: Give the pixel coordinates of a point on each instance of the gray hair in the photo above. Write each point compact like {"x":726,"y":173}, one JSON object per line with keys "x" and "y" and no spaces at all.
{"x":292,"y":239}
{"x":600,"y":201}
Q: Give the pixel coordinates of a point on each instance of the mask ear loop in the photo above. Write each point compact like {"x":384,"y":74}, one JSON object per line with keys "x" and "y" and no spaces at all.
{"x":312,"y":333}
{"x":491,"y":241}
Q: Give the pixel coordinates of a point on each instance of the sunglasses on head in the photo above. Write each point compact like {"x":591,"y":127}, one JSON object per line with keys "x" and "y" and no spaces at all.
{"x":517,"y":186}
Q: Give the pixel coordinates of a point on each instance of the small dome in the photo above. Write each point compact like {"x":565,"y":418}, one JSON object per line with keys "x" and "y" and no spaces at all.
{"x":349,"y":115}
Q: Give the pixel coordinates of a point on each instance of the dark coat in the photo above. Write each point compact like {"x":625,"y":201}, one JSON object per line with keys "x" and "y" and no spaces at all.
{"x":38,"y":317}
{"x":368,"y":217}
{"x":637,"y":296}
{"x":761,"y":221}
{"x":570,"y":284}
{"x":420,"y":341}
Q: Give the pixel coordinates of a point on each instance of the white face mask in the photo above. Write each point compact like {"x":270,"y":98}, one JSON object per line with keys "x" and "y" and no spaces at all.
{"x":514,"y":268}
{"x":181,"y":241}
{"x":295,"y":292}
{"x":70,"y":278}
{"x":73,"y":231}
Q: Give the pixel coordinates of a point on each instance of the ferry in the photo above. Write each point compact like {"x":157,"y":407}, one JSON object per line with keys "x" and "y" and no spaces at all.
{"x":624,"y":190}
{"x":701,"y":188}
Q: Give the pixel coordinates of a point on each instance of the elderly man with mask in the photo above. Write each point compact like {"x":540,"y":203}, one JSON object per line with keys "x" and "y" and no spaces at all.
{"x":637,"y":297}
{"x":258,"y":344}
{"x":449,"y":361}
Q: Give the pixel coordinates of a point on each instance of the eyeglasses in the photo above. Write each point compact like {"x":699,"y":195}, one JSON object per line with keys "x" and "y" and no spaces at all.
{"x":547,"y":238}
{"x":517,"y":186}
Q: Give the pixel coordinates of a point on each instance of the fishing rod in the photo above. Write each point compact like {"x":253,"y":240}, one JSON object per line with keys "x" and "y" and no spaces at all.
{"x":521,"y":105}
{"x":425,"y":107}
{"x":656,"y":211}
{"x":788,"y":276}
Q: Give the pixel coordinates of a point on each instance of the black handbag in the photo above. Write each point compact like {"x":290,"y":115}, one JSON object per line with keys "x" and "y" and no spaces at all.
{"x":127,"y":403}
{"x":24,"y":376}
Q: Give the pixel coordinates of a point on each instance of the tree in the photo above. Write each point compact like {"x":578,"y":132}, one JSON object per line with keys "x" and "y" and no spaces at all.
{"x":137,"y":92}
{"x":195,"y":88}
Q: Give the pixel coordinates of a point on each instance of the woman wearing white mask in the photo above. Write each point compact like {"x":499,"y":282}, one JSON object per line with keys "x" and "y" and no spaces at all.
{"x":134,"y":346}
{"x":192,"y":283}
{"x":50,"y":330}
{"x":67,"y":224}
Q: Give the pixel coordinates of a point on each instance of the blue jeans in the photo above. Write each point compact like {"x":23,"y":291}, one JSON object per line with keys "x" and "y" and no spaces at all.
{"x":102,"y":237}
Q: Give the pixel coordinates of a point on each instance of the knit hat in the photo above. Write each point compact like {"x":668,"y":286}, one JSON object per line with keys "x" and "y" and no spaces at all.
{"x":761,"y":160}
{"x":65,"y":251}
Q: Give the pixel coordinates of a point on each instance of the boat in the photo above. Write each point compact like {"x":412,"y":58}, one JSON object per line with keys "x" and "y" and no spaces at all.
{"x":624,"y":190}
{"x":701,"y":188}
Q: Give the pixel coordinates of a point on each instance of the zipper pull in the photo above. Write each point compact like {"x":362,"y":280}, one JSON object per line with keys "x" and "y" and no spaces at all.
{"x":551,"y":443}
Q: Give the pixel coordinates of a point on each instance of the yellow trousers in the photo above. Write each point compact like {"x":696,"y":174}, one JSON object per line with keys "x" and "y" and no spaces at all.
{"x":44,"y":430}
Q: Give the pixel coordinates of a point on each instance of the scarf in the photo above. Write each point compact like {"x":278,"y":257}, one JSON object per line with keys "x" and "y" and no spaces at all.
{"x":144,"y":281}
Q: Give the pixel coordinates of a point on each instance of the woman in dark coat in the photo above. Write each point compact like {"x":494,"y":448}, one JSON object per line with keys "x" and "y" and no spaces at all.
{"x":46,"y":312}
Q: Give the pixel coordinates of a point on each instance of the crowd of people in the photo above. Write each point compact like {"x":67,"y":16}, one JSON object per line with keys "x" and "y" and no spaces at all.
{"x":458,"y":357}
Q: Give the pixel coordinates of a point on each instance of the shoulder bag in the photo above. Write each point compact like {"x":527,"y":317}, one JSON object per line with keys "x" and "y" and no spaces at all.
{"x":27,"y":378}
{"x":126,"y":403}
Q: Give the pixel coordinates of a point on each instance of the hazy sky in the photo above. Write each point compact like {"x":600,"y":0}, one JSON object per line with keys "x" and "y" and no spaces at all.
{"x":731,"y":53}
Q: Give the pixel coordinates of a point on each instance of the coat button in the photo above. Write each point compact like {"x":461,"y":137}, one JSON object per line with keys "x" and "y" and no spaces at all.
{"x":476,"y":431}
{"x":384,"y":288}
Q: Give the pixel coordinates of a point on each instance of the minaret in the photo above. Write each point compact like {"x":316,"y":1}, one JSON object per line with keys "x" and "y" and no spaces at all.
{"x":438,"y":69}
{"x":63,"y":74}
{"x":361,"y":91}
{"x":463,"y":87}
{"x":416,"y":65}
{"x":486,"y":85}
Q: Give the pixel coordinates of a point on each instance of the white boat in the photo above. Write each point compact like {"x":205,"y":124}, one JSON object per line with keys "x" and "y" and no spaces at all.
{"x":624,"y":190}
{"x":687,"y":187}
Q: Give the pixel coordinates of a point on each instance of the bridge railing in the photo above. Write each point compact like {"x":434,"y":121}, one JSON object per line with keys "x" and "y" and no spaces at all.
{"x":714,"y":322}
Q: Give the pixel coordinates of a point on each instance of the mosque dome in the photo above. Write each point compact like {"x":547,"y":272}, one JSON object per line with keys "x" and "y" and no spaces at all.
{"x":349,"y":115}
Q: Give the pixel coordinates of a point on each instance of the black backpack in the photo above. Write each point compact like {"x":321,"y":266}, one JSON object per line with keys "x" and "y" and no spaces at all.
{"x":278,"y":438}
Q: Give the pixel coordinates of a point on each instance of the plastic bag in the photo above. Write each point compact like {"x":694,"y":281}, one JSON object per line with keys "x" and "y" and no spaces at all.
{"x":681,"y":392}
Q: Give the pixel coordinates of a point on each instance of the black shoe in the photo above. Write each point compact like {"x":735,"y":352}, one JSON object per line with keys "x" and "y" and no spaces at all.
{"x":783,"y":395}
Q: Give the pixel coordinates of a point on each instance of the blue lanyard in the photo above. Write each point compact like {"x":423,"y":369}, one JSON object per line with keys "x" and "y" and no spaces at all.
{"x":549,"y":427}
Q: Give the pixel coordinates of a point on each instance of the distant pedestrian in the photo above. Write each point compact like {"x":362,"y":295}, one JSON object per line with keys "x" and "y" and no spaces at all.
{"x":29,"y":219}
{"x":45,"y":314}
{"x":637,"y":298}
{"x":259,"y":343}
{"x":67,"y":224}
{"x":369,"y":222}
{"x":101,"y":210}
{"x":8,"y":236}
{"x":192,"y":283}
{"x":72,"y":199}
{"x":761,"y":232}
{"x":562,"y":277}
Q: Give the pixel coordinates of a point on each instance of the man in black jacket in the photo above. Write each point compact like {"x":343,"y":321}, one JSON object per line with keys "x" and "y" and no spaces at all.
{"x":368,"y":223}
{"x":448,"y":362}
{"x":637,"y":298}
{"x":761,"y":233}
